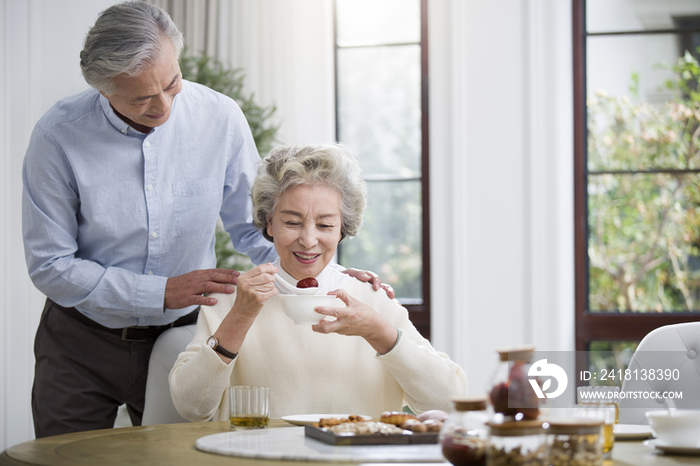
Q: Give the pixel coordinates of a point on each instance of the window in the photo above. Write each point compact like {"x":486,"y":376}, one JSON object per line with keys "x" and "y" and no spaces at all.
{"x":381,"y":97}
{"x":637,"y":169}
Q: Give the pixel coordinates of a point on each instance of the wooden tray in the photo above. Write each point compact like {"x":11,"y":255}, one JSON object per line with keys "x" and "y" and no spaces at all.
{"x":409,"y":438}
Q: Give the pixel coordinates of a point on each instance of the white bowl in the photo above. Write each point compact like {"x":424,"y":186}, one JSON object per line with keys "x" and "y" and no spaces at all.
{"x":300,"y":308}
{"x":305,"y":291}
{"x":679,"y":427}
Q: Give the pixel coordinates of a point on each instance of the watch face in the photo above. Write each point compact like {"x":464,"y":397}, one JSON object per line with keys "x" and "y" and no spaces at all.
{"x":212,"y":342}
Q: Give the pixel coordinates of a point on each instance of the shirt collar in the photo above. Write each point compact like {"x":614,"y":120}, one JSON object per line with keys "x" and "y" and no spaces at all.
{"x":122,"y":126}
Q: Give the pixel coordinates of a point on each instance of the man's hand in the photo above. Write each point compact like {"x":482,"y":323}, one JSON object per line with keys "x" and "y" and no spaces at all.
{"x":188,"y":289}
{"x":367,"y":276}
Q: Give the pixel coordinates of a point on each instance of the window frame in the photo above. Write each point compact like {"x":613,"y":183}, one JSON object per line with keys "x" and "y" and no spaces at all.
{"x":419,"y":313}
{"x":608,"y":326}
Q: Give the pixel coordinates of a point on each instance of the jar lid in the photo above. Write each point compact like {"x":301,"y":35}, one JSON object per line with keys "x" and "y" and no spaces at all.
{"x":516,"y":428}
{"x":518,"y":353}
{"x":574,"y":426}
{"x":465,"y":403}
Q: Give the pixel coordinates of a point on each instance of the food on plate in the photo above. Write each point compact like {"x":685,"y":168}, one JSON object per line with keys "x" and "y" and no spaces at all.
{"x":433,"y":414}
{"x":365,"y":428}
{"x":310,"y":282}
{"x":333,"y":421}
{"x":391,"y":422}
{"x":396,"y":417}
{"x":414,"y":425}
{"x":432,"y":425}
{"x":408,"y":421}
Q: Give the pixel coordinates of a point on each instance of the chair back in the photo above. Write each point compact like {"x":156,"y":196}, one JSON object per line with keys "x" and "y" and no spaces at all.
{"x":672,"y":353}
{"x":159,"y":407}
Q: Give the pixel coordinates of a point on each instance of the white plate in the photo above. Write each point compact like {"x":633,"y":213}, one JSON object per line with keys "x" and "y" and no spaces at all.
{"x":307,"y":419}
{"x":632,"y":432}
{"x":673,"y":449}
{"x":290,"y":444}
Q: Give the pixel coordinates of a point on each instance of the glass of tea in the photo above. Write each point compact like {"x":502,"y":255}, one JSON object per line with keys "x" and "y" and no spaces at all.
{"x":603,"y":412}
{"x":249,"y":407}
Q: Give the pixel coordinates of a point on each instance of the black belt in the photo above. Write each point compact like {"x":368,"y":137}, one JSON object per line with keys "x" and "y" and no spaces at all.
{"x":130,"y":333}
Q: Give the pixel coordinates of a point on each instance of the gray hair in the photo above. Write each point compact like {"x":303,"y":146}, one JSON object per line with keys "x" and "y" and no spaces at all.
{"x":126,"y":39}
{"x":329,"y":165}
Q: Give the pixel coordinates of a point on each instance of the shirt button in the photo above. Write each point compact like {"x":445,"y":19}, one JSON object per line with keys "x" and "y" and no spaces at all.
{"x":147,"y":144}
{"x":154,"y":234}
{"x":150,"y":187}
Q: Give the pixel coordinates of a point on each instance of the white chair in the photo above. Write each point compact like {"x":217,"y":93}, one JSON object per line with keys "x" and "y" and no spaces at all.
{"x":675,"y":348}
{"x":158,"y":406}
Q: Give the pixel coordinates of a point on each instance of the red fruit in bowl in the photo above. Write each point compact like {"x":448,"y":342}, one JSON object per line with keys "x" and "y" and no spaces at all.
{"x":307,"y":283}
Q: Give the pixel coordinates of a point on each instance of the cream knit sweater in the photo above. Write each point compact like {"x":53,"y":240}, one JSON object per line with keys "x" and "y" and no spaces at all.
{"x":312,"y":373}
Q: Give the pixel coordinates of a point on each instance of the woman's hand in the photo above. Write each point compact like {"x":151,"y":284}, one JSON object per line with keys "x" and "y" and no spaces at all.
{"x":373,"y":278}
{"x":253,"y":290}
{"x":358,"y":319}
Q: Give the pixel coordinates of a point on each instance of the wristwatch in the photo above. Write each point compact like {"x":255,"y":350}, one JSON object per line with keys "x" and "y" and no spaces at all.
{"x":213,"y":343}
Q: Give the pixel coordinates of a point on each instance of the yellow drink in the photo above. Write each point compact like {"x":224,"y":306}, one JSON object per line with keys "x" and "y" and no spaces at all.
{"x":608,"y":438}
{"x":249,"y":421}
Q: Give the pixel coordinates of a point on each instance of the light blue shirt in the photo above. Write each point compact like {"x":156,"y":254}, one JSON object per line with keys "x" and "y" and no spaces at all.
{"x":110,"y":213}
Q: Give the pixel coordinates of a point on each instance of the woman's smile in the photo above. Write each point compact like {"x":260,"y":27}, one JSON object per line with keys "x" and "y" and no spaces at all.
{"x":306,"y":258}
{"x":305,"y":227}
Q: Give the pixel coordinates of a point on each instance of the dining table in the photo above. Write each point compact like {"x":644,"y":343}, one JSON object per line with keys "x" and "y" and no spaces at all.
{"x":177,"y":444}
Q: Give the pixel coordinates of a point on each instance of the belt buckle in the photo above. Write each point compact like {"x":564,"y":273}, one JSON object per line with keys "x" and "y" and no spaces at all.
{"x":125,"y":333}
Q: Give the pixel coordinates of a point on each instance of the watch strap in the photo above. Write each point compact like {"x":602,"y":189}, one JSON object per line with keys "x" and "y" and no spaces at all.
{"x":222,"y":351}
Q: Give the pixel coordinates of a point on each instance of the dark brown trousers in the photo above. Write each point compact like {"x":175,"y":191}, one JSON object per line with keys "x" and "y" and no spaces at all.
{"x":84,"y":372}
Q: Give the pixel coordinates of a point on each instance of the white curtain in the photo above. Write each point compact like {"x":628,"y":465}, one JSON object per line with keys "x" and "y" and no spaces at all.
{"x":285,"y":49}
{"x":197,"y":20}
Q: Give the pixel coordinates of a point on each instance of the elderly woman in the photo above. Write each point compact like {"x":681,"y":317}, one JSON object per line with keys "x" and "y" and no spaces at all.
{"x":365,"y":357}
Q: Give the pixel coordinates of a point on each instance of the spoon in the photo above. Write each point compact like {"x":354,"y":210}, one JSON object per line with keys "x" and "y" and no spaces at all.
{"x":286,"y":286}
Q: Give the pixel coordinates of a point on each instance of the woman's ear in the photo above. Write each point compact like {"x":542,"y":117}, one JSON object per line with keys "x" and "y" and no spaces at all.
{"x":269,"y":228}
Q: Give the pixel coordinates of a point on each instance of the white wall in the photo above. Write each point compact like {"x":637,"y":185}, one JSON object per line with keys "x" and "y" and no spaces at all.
{"x":501,"y":179}
{"x":39,"y":45}
{"x":501,"y":159}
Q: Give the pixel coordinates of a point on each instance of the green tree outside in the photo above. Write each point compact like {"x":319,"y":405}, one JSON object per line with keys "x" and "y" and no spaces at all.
{"x":644,"y":198}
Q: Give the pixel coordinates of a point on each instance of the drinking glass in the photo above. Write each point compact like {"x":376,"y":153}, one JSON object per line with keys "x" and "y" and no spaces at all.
{"x":249,"y":407}
{"x":604,"y":412}
{"x":607,"y":395}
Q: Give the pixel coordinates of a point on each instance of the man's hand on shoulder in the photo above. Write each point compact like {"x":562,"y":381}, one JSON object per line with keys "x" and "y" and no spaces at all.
{"x":190,"y":288}
{"x":373,"y":278}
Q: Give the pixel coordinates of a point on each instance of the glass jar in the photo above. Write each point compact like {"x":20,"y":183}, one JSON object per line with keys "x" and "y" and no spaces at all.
{"x":463,"y":436}
{"x":576,"y":442}
{"x":510,"y":392}
{"x":521,"y":443}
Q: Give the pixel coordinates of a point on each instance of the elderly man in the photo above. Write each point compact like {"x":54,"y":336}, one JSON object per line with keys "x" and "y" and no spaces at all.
{"x":123,"y":186}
